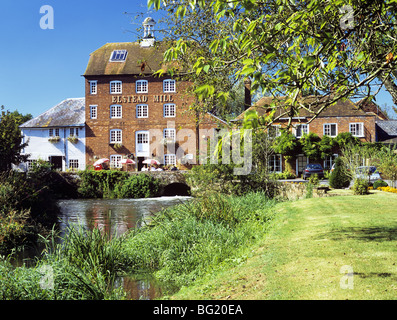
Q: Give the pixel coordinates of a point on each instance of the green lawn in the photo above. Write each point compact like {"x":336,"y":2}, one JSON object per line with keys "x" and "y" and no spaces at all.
{"x":305,"y":254}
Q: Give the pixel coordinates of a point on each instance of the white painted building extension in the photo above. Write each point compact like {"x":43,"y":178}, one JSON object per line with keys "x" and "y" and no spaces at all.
{"x":57,"y":136}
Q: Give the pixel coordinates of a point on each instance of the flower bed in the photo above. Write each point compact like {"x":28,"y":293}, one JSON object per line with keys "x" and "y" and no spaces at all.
{"x":388,"y":189}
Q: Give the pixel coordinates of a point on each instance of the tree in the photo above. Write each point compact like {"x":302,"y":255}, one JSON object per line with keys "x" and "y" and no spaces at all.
{"x":339,"y":178}
{"x":326,"y":146}
{"x":345,"y":139}
{"x":11,"y":139}
{"x":386,"y":161}
{"x":311,"y":146}
{"x":287,"y":145}
{"x":341,"y":49}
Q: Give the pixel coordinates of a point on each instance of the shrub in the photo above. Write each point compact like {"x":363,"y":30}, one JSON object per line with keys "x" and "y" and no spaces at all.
{"x":283,"y":175}
{"x":138,"y":186}
{"x":360,"y":187}
{"x":221,"y":178}
{"x":313,"y":179}
{"x":379,"y":183}
{"x":339,"y":178}
{"x":116,"y":184}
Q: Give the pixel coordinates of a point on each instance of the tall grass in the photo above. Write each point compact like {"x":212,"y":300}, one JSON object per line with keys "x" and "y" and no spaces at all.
{"x":184,"y":242}
{"x":85,"y":266}
{"x":181,"y":244}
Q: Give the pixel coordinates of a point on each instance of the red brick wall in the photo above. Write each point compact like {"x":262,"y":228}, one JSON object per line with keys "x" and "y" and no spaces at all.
{"x":317,"y":125}
{"x":98,"y":130}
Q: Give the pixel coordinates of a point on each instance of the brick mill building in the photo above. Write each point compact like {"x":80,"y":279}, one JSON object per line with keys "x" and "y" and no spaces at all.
{"x":130,"y":113}
{"x":363,"y":120}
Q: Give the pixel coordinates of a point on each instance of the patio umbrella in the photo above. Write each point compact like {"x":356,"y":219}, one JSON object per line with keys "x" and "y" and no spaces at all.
{"x":127,"y":161}
{"x":100,"y":161}
{"x":151,"y":161}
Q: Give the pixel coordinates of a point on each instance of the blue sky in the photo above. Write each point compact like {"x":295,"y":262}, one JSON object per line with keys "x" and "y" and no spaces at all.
{"x":40,"y":68}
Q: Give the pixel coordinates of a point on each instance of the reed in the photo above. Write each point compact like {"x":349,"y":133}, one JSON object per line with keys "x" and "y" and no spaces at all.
{"x":85,"y":266}
{"x":184,"y":242}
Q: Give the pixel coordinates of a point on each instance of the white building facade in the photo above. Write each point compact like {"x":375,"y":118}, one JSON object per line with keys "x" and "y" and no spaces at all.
{"x":57,"y":136}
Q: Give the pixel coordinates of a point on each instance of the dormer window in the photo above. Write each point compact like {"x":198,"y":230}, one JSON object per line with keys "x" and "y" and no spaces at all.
{"x":118,"y":55}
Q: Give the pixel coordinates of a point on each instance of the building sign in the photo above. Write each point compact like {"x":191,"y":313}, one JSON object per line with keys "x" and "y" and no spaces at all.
{"x":142,"y":99}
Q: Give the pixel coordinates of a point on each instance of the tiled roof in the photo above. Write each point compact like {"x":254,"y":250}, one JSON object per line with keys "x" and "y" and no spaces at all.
{"x":70,"y":112}
{"x":339,"y":109}
{"x":140,"y":60}
{"x":369,"y":106}
{"x":388,"y":127}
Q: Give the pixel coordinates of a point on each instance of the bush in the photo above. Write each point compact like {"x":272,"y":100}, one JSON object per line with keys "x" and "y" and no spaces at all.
{"x":313,"y":179}
{"x":380,"y":183}
{"x":339,"y":178}
{"x":113,"y":184}
{"x":360,"y":187}
{"x":221,"y":178}
{"x":27,"y":207}
{"x":138,"y":186}
{"x":283,"y":175}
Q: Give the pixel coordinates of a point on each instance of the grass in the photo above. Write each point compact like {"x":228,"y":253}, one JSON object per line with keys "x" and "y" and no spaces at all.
{"x":84,"y":267}
{"x":311,"y":243}
{"x":184,"y":242}
{"x":180,"y":245}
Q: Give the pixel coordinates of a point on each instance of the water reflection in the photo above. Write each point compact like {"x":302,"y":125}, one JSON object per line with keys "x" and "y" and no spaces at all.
{"x":116,"y":217}
{"x":113,"y":216}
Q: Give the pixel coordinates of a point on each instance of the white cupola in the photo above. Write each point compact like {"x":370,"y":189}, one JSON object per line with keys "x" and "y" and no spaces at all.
{"x":148,"y":32}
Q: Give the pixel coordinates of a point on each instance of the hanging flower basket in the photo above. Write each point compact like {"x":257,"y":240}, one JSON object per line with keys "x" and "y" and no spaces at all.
{"x":73,"y":139}
{"x":54,"y":139}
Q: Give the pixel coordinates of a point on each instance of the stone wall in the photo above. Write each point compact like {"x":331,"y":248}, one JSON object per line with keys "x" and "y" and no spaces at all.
{"x":295,"y":191}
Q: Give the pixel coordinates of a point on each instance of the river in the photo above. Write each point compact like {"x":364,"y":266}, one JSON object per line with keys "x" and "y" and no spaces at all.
{"x":116,"y":216}
{"x":113,"y":216}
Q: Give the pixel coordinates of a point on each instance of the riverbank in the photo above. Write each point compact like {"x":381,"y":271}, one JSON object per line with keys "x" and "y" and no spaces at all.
{"x":180,"y":245}
{"x":340,"y":247}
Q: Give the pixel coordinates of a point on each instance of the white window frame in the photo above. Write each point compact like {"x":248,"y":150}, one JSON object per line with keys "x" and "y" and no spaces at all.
{"x":73,"y":132}
{"x":303,"y":131}
{"x":73,"y":164}
{"x":118,"y":55}
{"x":277,"y":130}
{"x":330,"y":160}
{"x":116,"y":87}
{"x":356,"y":125}
{"x":330,"y":129}
{"x":169,"y":134}
{"x":53,"y":132}
{"x":94,"y":112}
{"x":169,"y":110}
{"x":116,"y":111}
{"x":142,"y":134}
{"x":30,"y":163}
{"x":93,"y":86}
{"x":141,"y":86}
{"x":169,"y":85}
{"x":115,"y":161}
{"x":116,"y":136}
{"x":276,"y":163}
{"x":141,"y":109}
{"x":170,"y":158}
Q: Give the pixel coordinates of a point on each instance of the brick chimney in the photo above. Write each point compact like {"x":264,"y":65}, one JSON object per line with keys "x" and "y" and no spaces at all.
{"x":247,"y":93}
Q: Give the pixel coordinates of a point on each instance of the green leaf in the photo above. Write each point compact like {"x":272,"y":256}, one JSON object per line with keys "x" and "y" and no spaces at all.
{"x":309,"y":61}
